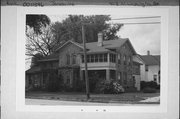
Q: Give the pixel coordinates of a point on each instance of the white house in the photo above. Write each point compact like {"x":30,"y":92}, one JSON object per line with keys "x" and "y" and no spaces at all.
{"x":150,"y":68}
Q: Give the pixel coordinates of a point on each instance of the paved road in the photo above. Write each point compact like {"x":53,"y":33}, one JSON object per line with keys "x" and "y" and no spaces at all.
{"x":57,"y":102}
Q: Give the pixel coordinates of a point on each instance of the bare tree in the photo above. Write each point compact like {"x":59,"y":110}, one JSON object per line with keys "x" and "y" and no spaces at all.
{"x":39,"y":43}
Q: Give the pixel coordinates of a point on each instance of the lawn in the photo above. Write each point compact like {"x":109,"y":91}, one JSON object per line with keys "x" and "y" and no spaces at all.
{"x":124,"y":98}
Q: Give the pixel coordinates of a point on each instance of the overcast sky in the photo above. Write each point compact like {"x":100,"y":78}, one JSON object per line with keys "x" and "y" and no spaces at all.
{"x":142,"y":36}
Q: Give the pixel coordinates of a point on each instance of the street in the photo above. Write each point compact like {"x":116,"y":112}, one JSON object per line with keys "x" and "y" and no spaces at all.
{"x":55,"y":102}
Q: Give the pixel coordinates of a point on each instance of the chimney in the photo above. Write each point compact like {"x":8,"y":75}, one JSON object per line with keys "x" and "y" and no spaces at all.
{"x":100,"y":39}
{"x":148,"y":52}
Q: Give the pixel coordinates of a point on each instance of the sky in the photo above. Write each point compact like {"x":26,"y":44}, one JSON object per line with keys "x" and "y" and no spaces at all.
{"x":143,"y":37}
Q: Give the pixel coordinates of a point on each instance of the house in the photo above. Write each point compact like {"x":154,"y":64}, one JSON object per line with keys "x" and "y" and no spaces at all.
{"x":137,"y":75}
{"x":107,"y":60}
{"x":150,"y":68}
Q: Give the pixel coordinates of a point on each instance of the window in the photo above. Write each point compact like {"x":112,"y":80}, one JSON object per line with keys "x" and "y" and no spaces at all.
{"x":105,"y":57}
{"x":73,"y":59}
{"x":134,"y":80}
{"x":100,"y":57}
{"x":125,"y":78}
{"x":88,"y":58}
{"x":155,"y":78}
{"x":146,"y":67}
{"x":96,"y":57}
{"x":67,"y":59}
{"x":112,"y":58}
{"x":119,"y":58}
{"x":92,"y":58}
{"x":119,"y":76}
{"x":82,"y":57}
{"x":124,"y":59}
{"x":129,"y":60}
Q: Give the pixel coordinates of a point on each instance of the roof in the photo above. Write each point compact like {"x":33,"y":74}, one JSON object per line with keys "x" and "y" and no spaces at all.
{"x":33,"y":70}
{"x":136,"y":63}
{"x":107,"y":45}
{"x":151,"y":59}
{"x":92,"y":47}
{"x":52,"y":57}
{"x":70,"y":41}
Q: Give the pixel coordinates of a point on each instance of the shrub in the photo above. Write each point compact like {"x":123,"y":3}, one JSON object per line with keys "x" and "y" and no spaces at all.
{"x":149,"y":90}
{"x":109,"y":87}
{"x":150,"y":84}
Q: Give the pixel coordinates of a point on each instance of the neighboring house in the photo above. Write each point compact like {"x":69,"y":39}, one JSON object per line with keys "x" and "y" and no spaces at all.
{"x":107,"y":60}
{"x":137,"y":74}
{"x":150,"y":68}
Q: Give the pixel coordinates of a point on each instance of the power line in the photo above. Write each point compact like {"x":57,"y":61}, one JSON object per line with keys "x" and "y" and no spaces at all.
{"x":137,"y":18}
{"x":142,"y":23}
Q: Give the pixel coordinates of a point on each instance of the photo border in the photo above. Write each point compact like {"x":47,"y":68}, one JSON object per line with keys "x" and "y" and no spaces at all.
{"x":90,"y":10}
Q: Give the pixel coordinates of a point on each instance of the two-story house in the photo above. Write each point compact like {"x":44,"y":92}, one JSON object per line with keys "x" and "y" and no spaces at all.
{"x":150,"y":68}
{"x":112,"y":59}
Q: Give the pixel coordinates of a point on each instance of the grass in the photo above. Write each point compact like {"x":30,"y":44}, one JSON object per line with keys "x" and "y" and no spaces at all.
{"x":125,"y":98}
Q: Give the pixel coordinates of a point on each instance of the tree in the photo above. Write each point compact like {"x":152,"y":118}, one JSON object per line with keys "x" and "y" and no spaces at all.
{"x":70,"y":28}
{"x":41,"y":44}
{"x":37,"y":21}
{"x":43,"y":39}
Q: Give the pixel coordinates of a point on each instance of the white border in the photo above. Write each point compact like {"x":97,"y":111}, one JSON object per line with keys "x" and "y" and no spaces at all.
{"x":89,"y":10}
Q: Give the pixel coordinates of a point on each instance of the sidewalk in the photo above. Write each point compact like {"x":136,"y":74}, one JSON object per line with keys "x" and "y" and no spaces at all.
{"x":153,"y":99}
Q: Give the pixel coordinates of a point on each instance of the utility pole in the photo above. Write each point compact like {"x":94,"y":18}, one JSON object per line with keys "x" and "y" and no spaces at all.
{"x":85,"y":62}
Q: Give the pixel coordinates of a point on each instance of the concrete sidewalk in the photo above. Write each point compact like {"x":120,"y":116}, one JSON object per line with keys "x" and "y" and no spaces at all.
{"x":153,"y":99}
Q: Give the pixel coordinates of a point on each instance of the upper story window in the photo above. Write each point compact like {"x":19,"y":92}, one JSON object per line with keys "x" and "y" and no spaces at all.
{"x":73,"y":59}
{"x":112,"y":58}
{"x":67,"y":59}
{"x":82,"y":58}
{"x":129,"y":60}
{"x":91,"y":58}
{"x":124,"y":59}
{"x":119,"y":58}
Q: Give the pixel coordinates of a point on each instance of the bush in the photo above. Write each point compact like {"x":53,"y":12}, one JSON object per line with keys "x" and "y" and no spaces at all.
{"x":149,"y":90}
{"x":109,"y":87}
{"x":150,"y":84}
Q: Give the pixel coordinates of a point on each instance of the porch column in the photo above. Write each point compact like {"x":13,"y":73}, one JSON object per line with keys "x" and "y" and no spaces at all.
{"x":107,"y":74}
{"x":108,"y":57}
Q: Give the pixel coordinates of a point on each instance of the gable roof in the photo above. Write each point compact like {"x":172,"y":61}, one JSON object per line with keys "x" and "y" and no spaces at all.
{"x":70,"y":41}
{"x":151,"y":59}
